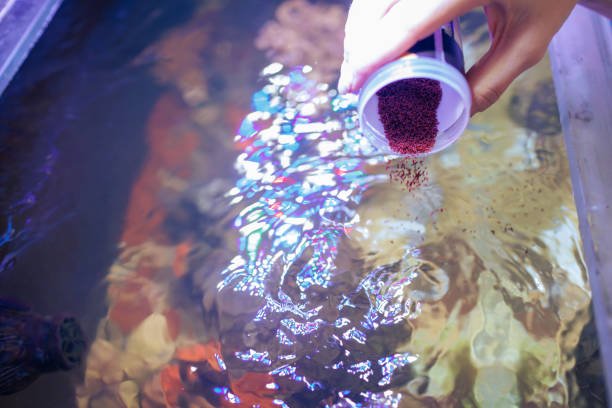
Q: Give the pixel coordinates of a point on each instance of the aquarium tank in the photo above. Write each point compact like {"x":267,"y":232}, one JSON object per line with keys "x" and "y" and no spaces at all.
{"x":191,"y":217}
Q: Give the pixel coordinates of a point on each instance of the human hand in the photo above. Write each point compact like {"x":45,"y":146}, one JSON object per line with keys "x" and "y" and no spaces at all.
{"x":379,"y":31}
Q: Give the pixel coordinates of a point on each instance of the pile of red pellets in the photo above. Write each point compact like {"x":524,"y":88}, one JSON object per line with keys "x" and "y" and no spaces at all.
{"x":408,"y":113}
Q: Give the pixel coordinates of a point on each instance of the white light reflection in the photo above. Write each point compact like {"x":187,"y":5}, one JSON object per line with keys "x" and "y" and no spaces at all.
{"x":392,"y":363}
{"x":362,"y":370}
{"x":252,"y":355}
{"x":273,"y":68}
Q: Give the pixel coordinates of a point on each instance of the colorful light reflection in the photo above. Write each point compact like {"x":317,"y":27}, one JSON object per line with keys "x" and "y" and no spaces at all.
{"x":302,"y":177}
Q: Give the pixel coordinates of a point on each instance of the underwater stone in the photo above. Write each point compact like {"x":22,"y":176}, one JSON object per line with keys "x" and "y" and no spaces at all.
{"x":543,"y":115}
{"x":151,"y":341}
{"x":305,"y":33}
{"x":206,"y":115}
{"x":128,"y":392}
{"x":496,"y":387}
{"x":103,"y":364}
{"x":152,"y":392}
{"x":105,"y":400}
{"x":430,"y":284}
{"x":535,"y":108}
{"x":135,"y":366}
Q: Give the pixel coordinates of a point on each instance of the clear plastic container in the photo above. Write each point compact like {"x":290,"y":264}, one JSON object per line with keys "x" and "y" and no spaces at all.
{"x":438,"y":57}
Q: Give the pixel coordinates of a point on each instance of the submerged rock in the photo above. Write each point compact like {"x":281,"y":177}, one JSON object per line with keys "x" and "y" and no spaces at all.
{"x":151,"y":341}
{"x":535,"y":107}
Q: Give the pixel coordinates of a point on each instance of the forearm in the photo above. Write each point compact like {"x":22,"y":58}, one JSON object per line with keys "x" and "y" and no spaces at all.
{"x":603,"y":7}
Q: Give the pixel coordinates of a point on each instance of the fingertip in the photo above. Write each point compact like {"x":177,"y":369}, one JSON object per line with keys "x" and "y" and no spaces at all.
{"x":475,"y":111}
{"x":484,"y":95}
{"x":477,"y":106}
{"x":351,"y":80}
{"x":486,"y":84}
{"x":344,"y":85}
{"x":342,"y":89}
{"x":359,"y":79}
{"x":344,"y":82}
{"x":357,"y":83}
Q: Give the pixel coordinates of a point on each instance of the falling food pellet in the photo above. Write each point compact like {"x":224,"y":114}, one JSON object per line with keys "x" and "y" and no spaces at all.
{"x":411,"y":173}
{"x":408,"y":112}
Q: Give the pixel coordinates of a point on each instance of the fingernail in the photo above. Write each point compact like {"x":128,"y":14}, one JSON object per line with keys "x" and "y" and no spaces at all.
{"x":342,"y":84}
{"x":345,"y":81}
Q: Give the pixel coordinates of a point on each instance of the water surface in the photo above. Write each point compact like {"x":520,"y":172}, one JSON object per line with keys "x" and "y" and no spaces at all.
{"x":198,"y":195}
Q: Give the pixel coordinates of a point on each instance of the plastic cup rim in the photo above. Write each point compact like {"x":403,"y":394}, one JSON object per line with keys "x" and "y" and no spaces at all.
{"x":413,"y":66}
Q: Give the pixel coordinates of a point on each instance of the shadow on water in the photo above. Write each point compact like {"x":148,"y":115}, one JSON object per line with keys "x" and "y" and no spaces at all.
{"x":71,"y":144}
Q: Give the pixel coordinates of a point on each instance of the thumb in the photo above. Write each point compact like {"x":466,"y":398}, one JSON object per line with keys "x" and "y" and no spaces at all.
{"x":509,"y":56}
